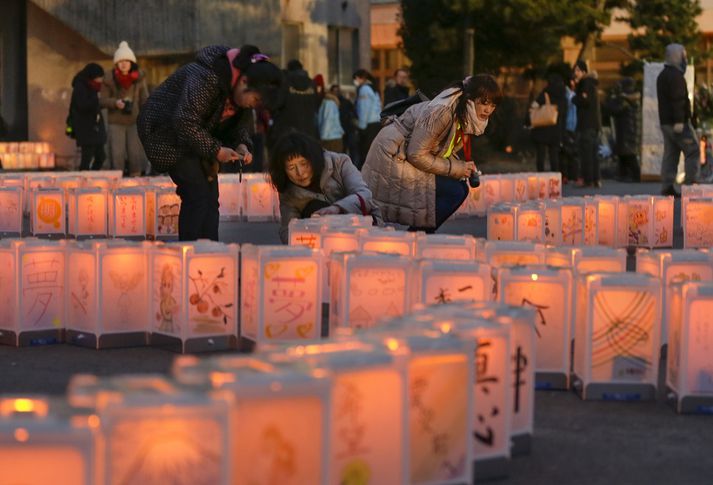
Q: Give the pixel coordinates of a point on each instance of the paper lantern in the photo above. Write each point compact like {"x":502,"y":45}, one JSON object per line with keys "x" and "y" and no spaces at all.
{"x":106,"y":183}
{"x":155,"y":432}
{"x":616,"y":344}
{"x":520,"y":188}
{"x":305,"y":232}
{"x":127,"y":213}
{"x":388,"y":242}
{"x":259,"y":198}
{"x":572,"y":221}
{"x":36,"y":443}
{"x":48,"y":217}
{"x":440,"y":282}
{"x":279,"y":416}
{"x":673,"y":266}
{"x":194,"y":296}
{"x":513,"y":253}
{"x":443,"y":246}
{"x":554,"y":184}
{"x":230,"y":196}
{"x":549,"y":292}
{"x":87,"y":212}
{"x":502,"y":222}
{"x":694,"y":191}
{"x":491,"y":190}
{"x":344,"y":239}
{"x":531,"y":222}
{"x":689,"y":371}
{"x":649,"y":221}
{"x":163,"y":207}
{"x":553,"y":222}
{"x":598,"y":259}
{"x":11,"y":211}
{"x":367,"y":287}
{"x":697,"y":222}
{"x":607,"y":219}
{"x":281,"y":293}
{"x":476,"y":199}
{"x":507,"y":188}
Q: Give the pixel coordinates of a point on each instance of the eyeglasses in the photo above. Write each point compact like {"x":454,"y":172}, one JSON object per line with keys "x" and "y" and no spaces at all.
{"x":259,"y":58}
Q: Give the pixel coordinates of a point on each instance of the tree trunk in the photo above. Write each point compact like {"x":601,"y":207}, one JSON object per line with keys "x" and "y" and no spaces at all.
{"x":592,"y":35}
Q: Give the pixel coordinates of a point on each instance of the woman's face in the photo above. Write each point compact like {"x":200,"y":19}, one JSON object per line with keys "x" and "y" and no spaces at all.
{"x":483,"y":109}
{"x":299,"y":171}
{"x":244,"y":97}
{"x":124,"y":66}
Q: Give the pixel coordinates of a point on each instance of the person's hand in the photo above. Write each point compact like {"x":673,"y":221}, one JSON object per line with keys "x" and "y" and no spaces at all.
{"x":226,"y":155}
{"x":678,"y":128}
{"x":469,"y":169}
{"x":120,"y":104}
{"x":326,"y":211}
{"x":245,"y":153}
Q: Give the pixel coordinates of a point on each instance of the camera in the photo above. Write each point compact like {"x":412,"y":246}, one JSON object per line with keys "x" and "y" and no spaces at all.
{"x":474,"y":179}
{"x":128,"y":105}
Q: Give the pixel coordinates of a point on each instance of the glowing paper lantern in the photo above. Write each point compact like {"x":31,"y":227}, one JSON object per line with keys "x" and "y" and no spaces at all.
{"x":443,"y":246}
{"x":440,"y":282}
{"x":553,"y":222}
{"x":694,"y":191}
{"x":163,"y":206}
{"x":616,"y":344}
{"x":367,"y":287}
{"x":476,"y":199}
{"x":48,"y":215}
{"x":281,"y":293}
{"x":343,"y":239}
{"x":607,"y":219}
{"x":491,"y":190}
{"x":689,"y":371}
{"x":531,"y":222}
{"x":388,"y":242}
{"x":502,"y":222}
{"x":520,"y":188}
{"x":554,"y":184}
{"x":513,"y":253}
{"x":29,"y":432}
{"x":127,"y":213}
{"x":305,"y":232}
{"x":572,"y":221}
{"x":259,"y":198}
{"x":549,"y":292}
{"x":194,"y":297}
{"x":649,"y":221}
{"x":230,"y":196}
{"x":11,"y":211}
{"x":87,"y":212}
{"x":507,"y":188}
{"x":697,"y":222}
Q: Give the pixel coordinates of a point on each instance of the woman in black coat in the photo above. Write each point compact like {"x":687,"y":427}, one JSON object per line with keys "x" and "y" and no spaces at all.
{"x":548,"y":139}
{"x":86,"y":118}
{"x":624,"y":106}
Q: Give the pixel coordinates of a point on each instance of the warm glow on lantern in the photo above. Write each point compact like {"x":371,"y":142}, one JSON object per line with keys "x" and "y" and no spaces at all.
{"x":230,"y":196}
{"x":21,"y":435}
{"x":441,"y":246}
{"x":387,"y":242}
{"x":501,"y":222}
{"x":259,"y":198}
{"x":646,"y":221}
{"x":697,"y":222}
{"x":443,"y":281}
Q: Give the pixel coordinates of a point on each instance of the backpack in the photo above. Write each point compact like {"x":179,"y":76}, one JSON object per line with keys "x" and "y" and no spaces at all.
{"x":397,"y":108}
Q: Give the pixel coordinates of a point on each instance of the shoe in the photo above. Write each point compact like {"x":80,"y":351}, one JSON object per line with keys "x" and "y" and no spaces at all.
{"x":670,"y":191}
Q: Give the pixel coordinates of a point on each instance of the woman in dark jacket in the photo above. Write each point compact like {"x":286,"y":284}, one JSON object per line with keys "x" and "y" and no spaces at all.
{"x":624,"y":106}
{"x":548,"y":139}
{"x":86,"y":118}
{"x":189,"y":125}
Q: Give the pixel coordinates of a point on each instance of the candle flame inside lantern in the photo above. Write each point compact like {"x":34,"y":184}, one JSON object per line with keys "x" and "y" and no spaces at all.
{"x":22,"y":435}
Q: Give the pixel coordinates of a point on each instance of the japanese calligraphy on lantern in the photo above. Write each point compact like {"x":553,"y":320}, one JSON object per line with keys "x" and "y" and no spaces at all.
{"x":292,"y":303}
{"x":91,"y":210}
{"x":42,"y":288}
{"x":211,"y":294}
{"x":376,"y":293}
{"x":82,"y":288}
{"x":48,"y":216}
{"x":129,"y":215}
{"x":491,"y":431}
{"x":10,"y":210}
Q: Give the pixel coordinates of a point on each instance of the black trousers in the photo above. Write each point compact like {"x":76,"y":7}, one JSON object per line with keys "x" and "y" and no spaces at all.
{"x":199,"y":216}
{"x":92,"y":152}
{"x":553,"y":149}
{"x":587,"y":141}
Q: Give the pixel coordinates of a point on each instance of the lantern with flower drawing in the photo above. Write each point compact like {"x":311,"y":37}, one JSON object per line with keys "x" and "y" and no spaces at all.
{"x":305,"y":232}
{"x":87,"y":212}
{"x":502,"y":222}
{"x":616,"y":343}
{"x":48,"y":217}
{"x":512,"y":253}
{"x":689,"y":370}
{"x":259,"y":198}
{"x":531,"y":222}
{"x":127,"y":213}
{"x":572,"y":219}
{"x":649,"y":221}
{"x":387,"y":241}
{"x":440,"y":282}
{"x":445,"y":246}
{"x":365,"y":288}
{"x":36,"y":442}
{"x":281,"y":293}
{"x":697,"y":222}
{"x":163,"y":206}
{"x":11,"y":211}
{"x":549,"y":292}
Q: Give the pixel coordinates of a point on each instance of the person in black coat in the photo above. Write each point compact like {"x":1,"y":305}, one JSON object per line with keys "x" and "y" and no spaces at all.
{"x":397,"y":89}
{"x":589,"y":124}
{"x":190,"y":124}
{"x":623,"y":105}
{"x":299,"y":110}
{"x":86,"y":117}
{"x":548,"y":139}
{"x":675,"y":119}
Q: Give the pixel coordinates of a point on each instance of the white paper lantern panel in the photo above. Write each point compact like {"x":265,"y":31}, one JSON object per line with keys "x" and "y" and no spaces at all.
{"x":598,"y":259}
{"x":230,"y":196}
{"x":127,"y":213}
{"x":616,"y":341}
{"x":48,"y":216}
{"x":507,"y":187}
{"x":553,"y":222}
{"x":476,"y":199}
{"x":531,"y":223}
{"x":281,"y":293}
{"x":340,"y":240}
{"x":502,"y":222}
{"x":572,"y":219}
{"x":387,"y":242}
{"x":87,"y":210}
{"x":444,"y":246}
{"x":689,"y":369}
{"x":305,"y":232}
{"x":491,"y":190}
{"x":35,"y":444}
{"x":367,"y":288}
{"x":694,"y":191}
{"x":163,"y":207}
{"x":554,"y":184}
{"x":82,"y":294}
{"x":259,"y":198}
{"x":439,"y":282}
{"x":10,"y":287}
{"x":607,"y":220}
{"x":548,"y":291}
{"x":697,"y":222}
{"x":520,"y":188}
{"x":513,"y":253}
{"x":649,"y":221}
{"x":11,"y":204}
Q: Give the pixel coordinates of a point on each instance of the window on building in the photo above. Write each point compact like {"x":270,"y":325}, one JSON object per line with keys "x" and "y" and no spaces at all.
{"x":343,"y":51}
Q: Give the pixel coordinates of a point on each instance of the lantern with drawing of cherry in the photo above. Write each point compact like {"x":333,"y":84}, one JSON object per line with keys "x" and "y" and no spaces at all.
{"x":230,"y":196}
{"x":47,"y":212}
{"x":441,"y":281}
{"x":281,"y":293}
{"x":11,"y":211}
{"x":616,"y":342}
{"x":445,"y":246}
{"x":368,"y":287}
{"x":502,"y":222}
{"x":36,"y":442}
{"x":87,"y":212}
{"x":689,"y":370}
{"x":127,"y":213}
{"x":259,"y":198}
{"x":387,"y":241}
{"x":548,"y":291}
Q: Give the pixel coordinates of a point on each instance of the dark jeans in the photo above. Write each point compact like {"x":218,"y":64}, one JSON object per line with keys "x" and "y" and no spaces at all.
{"x":366,"y":137}
{"x":588,"y":160}
{"x":629,"y":169}
{"x":554,"y":152}
{"x":673,"y":145}
{"x":92,"y":152}
{"x":569,"y":163}
{"x":199,"y":214}
{"x":450,"y":194}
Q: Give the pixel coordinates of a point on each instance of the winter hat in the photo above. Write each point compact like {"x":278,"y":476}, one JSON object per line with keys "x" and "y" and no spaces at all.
{"x":581,"y":65}
{"x":124,"y":53}
{"x":319,"y":81}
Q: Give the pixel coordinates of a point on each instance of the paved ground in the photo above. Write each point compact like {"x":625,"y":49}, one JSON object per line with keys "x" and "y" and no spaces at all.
{"x":575,"y":442}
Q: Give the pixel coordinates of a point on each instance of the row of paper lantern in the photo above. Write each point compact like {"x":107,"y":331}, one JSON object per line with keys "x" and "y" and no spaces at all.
{"x":639,"y":221}
{"x":422,"y":401}
{"x":27,"y":161}
{"x":37,"y":147}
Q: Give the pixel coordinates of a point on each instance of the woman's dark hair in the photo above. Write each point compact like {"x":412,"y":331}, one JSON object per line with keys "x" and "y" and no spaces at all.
{"x":363,"y":73}
{"x":292,"y":145}
{"x":481,"y":86}
{"x":262,"y":75}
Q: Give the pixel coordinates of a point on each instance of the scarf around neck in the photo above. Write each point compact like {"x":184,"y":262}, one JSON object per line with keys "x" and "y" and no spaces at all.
{"x":126,"y":80}
{"x":472,"y":124}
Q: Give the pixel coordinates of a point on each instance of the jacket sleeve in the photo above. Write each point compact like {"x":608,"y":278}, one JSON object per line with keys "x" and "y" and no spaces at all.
{"x":425,"y":139}
{"x":583,"y":96}
{"x":678,"y":97}
{"x":354,"y":187}
{"x":108,"y":98}
{"x":143,"y":92}
{"x":193,"y":107}
{"x":85,"y":100}
{"x":287,"y":213}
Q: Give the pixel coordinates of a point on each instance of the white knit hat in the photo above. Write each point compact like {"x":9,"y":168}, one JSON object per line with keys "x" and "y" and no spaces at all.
{"x":123,"y":53}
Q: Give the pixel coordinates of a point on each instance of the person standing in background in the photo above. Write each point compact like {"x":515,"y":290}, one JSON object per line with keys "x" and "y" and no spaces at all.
{"x":86,"y":117}
{"x":299,"y":110}
{"x":330,"y":128}
{"x":568,"y":156}
{"x":589,"y":124}
{"x":624,"y":105}
{"x":548,"y":139}
{"x":368,"y":109}
{"x":347,"y":118}
{"x":397,"y":88}
{"x":123,"y":94}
